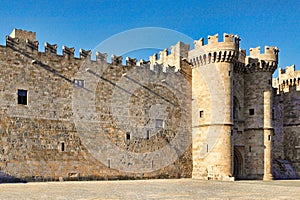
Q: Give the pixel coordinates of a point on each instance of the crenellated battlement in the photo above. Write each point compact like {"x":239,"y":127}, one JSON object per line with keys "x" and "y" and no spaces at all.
{"x":228,"y":39}
{"x":68,"y":52}
{"x":258,"y":61}
{"x":288,"y":79}
{"x":23,"y":34}
{"x":215,"y":51}
{"x":173,"y":58}
{"x":270,"y":53}
{"x":130,"y":61}
{"x":50,"y":48}
{"x":85,"y":54}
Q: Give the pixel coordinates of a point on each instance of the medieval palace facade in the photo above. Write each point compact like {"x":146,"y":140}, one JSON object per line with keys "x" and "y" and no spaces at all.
{"x":211,"y":112}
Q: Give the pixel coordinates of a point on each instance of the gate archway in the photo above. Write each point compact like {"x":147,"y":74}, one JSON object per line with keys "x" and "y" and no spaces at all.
{"x":238,"y":164}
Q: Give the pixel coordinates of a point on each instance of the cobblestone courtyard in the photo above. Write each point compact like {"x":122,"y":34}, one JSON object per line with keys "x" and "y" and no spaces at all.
{"x":153,"y":189}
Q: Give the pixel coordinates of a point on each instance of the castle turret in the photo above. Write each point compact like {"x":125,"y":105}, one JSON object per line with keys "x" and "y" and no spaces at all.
{"x":258,"y":112}
{"x":212,"y":106}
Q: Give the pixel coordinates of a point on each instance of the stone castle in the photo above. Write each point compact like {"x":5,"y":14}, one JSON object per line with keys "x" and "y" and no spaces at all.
{"x":208,"y":113}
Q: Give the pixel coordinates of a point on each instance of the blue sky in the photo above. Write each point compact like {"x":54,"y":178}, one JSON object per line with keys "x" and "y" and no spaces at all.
{"x":85,"y":24}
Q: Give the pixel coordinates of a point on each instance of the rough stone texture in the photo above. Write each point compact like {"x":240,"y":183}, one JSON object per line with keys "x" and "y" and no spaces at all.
{"x":208,"y":113}
{"x":43,"y":140}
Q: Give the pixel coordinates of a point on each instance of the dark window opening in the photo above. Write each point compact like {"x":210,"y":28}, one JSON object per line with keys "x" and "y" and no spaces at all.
{"x":269,"y":81}
{"x":201,"y":113}
{"x":62,"y":146}
{"x":108,"y":163}
{"x":273,"y":114}
{"x":148,"y":135}
{"x":234,"y":112}
{"x":269,"y":137}
{"x":127,"y":136}
{"x":22,"y":97}
{"x":206,"y":147}
{"x":229,"y":73}
{"x":250,"y":149}
{"x":251,"y":111}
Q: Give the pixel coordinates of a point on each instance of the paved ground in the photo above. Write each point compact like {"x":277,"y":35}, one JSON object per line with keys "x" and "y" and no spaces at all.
{"x":153,"y":189}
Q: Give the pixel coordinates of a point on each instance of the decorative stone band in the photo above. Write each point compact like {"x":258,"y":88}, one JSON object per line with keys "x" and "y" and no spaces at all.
{"x":260,"y":66}
{"x":215,"y":57}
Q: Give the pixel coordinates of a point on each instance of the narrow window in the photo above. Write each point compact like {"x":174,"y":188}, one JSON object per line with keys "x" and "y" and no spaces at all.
{"x":269,"y":81}
{"x":201,"y":113}
{"x":79,"y":83}
{"x":251,"y":111}
{"x":22,"y":97}
{"x":108,"y":163}
{"x":148,"y":135}
{"x":206,"y":147}
{"x":273,"y":114}
{"x":127,"y":136}
{"x":229,"y":73}
{"x":62,"y":146}
{"x":250,"y":149}
{"x":269,"y":137}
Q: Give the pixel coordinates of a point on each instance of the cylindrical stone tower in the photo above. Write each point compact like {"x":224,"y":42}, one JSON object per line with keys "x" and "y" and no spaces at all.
{"x":258,"y":112}
{"x":212,"y":106}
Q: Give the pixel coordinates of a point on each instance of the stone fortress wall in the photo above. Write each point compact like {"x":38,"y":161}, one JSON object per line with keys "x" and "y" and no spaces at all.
{"x":40,"y":140}
{"x":286,"y":119}
{"x":209,"y":113}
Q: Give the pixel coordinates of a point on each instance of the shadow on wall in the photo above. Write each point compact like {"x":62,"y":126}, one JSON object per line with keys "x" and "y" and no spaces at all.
{"x":5,"y":178}
{"x":282,"y":169}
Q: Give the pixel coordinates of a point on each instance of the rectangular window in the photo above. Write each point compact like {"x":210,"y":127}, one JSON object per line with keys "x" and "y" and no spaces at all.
{"x":127,"y":136}
{"x":201,"y":113}
{"x":22,"y":97}
{"x":250,"y":149}
{"x":269,"y":137}
{"x":79,"y":83}
{"x":62,"y":147}
{"x":251,"y":111}
{"x":159,"y":123}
